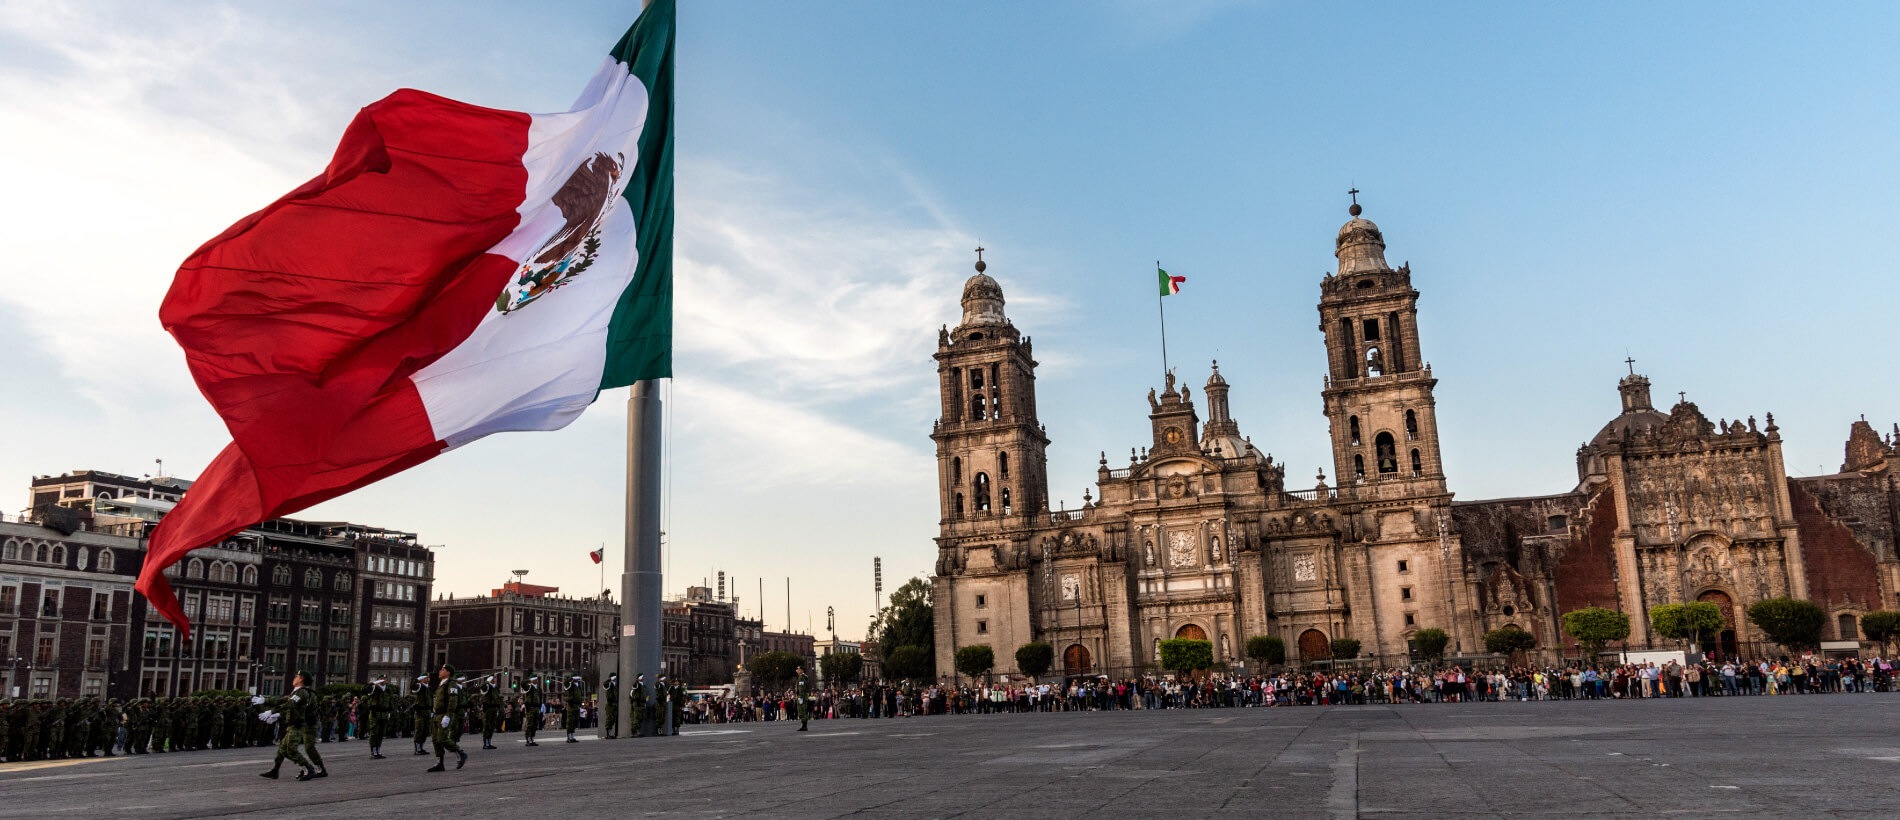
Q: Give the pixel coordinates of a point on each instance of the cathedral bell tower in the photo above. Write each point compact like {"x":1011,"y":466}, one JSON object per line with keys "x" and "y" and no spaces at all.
{"x":1378,"y":394}
{"x":991,"y":462}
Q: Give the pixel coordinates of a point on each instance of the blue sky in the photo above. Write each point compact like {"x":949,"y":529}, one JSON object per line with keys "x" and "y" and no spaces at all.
{"x":1706,"y":187}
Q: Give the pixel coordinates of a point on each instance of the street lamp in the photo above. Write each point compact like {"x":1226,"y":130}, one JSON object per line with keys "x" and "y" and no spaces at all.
{"x":13,"y":674}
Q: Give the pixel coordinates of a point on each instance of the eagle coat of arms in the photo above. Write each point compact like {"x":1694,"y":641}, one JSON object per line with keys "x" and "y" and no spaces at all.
{"x":584,"y":200}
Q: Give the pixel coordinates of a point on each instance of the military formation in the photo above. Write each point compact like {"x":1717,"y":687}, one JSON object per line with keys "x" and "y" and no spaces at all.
{"x":434,"y":715}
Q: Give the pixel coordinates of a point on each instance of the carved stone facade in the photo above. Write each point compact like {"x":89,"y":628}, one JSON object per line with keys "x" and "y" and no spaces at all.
{"x":1198,"y":534}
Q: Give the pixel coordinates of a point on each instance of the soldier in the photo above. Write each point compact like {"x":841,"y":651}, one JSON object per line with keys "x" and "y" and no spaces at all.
{"x":326,"y":718}
{"x":662,"y":704}
{"x":421,"y":702}
{"x":803,"y":693}
{"x":571,"y":714}
{"x":373,"y":709}
{"x":489,"y":698}
{"x":34,"y":724}
{"x":448,"y":699}
{"x":610,"y":716}
{"x":637,"y":705}
{"x":531,"y":708}
{"x":106,"y":733}
{"x":300,"y":722}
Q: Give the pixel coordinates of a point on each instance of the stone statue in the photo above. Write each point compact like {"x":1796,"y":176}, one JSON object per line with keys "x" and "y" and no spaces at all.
{"x":1151,"y":553}
{"x":1213,"y":548}
{"x":1154,"y":406}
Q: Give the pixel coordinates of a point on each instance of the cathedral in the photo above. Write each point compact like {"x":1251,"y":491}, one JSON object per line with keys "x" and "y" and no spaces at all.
{"x":1198,"y":534}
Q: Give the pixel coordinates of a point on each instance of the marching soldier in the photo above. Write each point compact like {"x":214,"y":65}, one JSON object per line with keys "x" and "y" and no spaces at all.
{"x":300,"y":723}
{"x":448,"y":698}
{"x":531,"y":708}
{"x":679,"y":704}
{"x":489,"y":697}
{"x":373,"y":709}
{"x":463,"y":706}
{"x":422,"y":703}
{"x":803,"y":694}
{"x":326,"y":718}
{"x":571,"y":714}
{"x":637,"y":705}
{"x":610,"y":716}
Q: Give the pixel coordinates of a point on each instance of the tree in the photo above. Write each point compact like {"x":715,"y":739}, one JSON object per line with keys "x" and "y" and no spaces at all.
{"x":1881,"y":625}
{"x":1431,"y":643}
{"x":1791,"y":622}
{"x":1594,"y":627}
{"x":1034,"y":659}
{"x":1693,"y":621}
{"x":774,"y":669}
{"x":909,"y":620}
{"x":976,"y":661}
{"x":1184,"y":655}
{"x":1266,"y":650}
{"x":1506,"y":640}
{"x":841,"y":667}
{"x":1345,"y":649}
{"x":908,"y":663}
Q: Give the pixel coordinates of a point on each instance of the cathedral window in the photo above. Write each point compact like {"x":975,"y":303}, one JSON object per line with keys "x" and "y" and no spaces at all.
{"x":1418,"y":465}
{"x":1359,"y":466}
{"x":956,"y":506}
{"x":1411,"y":425}
{"x":1387,"y":453}
{"x":194,"y":569}
{"x":982,"y":493}
{"x":956,"y":470}
{"x":1372,"y":330}
{"x":976,"y":409}
{"x":1346,"y":345}
{"x":1849,"y":630}
{"x":1402,"y":566}
{"x":976,"y":378}
{"x":1003,"y":465}
{"x":1353,"y":424}
{"x":1405,"y":593}
{"x":1375,"y":362}
{"x":1559,"y":523}
{"x":1006,"y":501}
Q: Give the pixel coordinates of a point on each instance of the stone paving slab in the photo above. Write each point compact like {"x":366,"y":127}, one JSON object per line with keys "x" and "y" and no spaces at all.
{"x":1825,"y":756}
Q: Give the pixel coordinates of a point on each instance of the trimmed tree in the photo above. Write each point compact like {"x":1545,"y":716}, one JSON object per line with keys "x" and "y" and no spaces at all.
{"x":1034,"y":659}
{"x":1431,"y":643}
{"x":1882,"y":626}
{"x":774,"y":668}
{"x":976,"y":661}
{"x":1595,"y":627}
{"x":909,"y":620}
{"x":1185,"y":655}
{"x":1508,"y":640}
{"x":908,"y":663}
{"x":1791,"y":622}
{"x":841,"y":667}
{"x":1345,"y":649}
{"x":1693,"y":621}
{"x":1266,"y":650}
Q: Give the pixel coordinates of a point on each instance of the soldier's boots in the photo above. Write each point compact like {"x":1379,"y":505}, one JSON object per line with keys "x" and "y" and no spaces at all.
{"x":419,"y":749}
{"x":438,"y":767}
{"x":570,"y":738}
{"x":307,"y":774}
{"x":272,"y":774}
{"x":461,"y":760}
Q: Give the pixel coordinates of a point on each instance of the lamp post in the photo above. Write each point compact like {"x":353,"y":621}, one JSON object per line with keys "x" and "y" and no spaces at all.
{"x":13,"y":674}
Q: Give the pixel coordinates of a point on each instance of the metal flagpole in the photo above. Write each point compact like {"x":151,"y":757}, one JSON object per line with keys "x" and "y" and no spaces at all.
{"x":1161,"y":307}
{"x":640,"y":579}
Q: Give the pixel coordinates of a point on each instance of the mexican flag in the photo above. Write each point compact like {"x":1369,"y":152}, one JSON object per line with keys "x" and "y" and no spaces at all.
{"x":455,"y":271}
{"x":1170,"y":285}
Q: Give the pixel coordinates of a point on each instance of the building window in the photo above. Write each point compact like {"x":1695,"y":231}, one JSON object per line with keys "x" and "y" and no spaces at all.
{"x":106,"y":562}
{"x":1559,"y":523}
{"x":1418,"y":465}
{"x":1411,"y":425}
{"x":1387,"y":453}
{"x":982,"y":600}
{"x":1405,"y":593}
{"x":1003,"y":465}
{"x":101,"y":606}
{"x":1358,"y":466}
{"x":280,"y":576}
{"x":1371,"y":327}
{"x":85,"y":557}
{"x":982,"y":627}
{"x":518,"y":620}
{"x":343,"y":582}
{"x":982,"y":492}
{"x":43,"y":657}
{"x":49,"y":603}
{"x":59,"y":553}
{"x":12,"y":551}
{"x":250,"y":576}
{"x":312,"y":579}
{"x":1402,"y":566}
{"x":194,"y":568}
{"x":1409,"y":620}
{"x":9,"y":600}
{"x":442,"y":624}
{"x":1352,"y":426}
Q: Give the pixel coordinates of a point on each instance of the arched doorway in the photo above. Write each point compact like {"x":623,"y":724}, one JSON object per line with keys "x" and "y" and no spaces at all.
{"x":1075,"y":660}
{"x":1314,"y":646}
{"x":1727,"y":645}
{"x":1191,"y":632}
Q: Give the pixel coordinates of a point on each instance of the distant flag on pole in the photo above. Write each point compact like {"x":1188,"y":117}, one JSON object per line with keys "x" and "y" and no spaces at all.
{"x":598,"y":554}
{"x":455,"y":271}
{"x":1170,"y":285}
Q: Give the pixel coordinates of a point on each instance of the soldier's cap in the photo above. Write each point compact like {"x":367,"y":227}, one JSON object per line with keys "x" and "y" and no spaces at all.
{"x":577,"y":677}
{"x":305,"y":674}
{"x":382,"y":679}
{"x":450,"y":667}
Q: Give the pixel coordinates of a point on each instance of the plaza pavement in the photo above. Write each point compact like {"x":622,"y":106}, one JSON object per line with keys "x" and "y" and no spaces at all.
{"x":1808,"y":756}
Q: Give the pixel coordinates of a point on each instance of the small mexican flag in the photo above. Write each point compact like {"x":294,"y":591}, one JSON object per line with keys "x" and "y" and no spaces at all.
{"x":598,"y":554}
{"x":455,"y":272}
{"x":1170,"y":285}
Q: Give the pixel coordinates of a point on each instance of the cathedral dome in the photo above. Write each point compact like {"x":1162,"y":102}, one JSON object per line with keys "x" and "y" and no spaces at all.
{"x":983,"y":301}
{"x":1360,"y":247}
{"x":1634,"y":420}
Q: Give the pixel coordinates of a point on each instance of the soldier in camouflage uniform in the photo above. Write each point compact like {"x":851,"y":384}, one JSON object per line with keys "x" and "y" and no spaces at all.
{"x":421,"y":703}
{"x":373,"y":710}
{"x":571,"y":707}
{"x":298,"y":713}
{"x":637,"y":705}
{"x":662,"y":694}
{"x":138,"y":732}
{"x":531,"y":705}
{"x":610,"y":700}
{"x":488,"y":697}
{"x":803,"y":693}
{"x":448,"y":699}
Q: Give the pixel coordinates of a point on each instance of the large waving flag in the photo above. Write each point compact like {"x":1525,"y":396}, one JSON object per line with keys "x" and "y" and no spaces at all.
{"x":456,"y":271}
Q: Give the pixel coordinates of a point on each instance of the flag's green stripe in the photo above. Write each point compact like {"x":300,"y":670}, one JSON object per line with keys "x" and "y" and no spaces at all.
{"x":1164,"y":282}
{"x":640,"y":335}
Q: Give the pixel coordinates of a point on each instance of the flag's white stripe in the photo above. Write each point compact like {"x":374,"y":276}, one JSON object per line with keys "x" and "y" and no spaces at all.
{"x":538,"y":367}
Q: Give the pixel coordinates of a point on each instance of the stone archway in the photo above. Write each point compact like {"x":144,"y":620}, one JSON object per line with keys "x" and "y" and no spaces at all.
{"x":1075,"y":660}
{"x":1191,"y":632}
{"x":1314,"y":646}
{"x":1728,"y":643}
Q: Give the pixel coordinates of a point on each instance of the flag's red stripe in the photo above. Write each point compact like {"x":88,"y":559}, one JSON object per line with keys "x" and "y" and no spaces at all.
{"x":303,"y":322}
